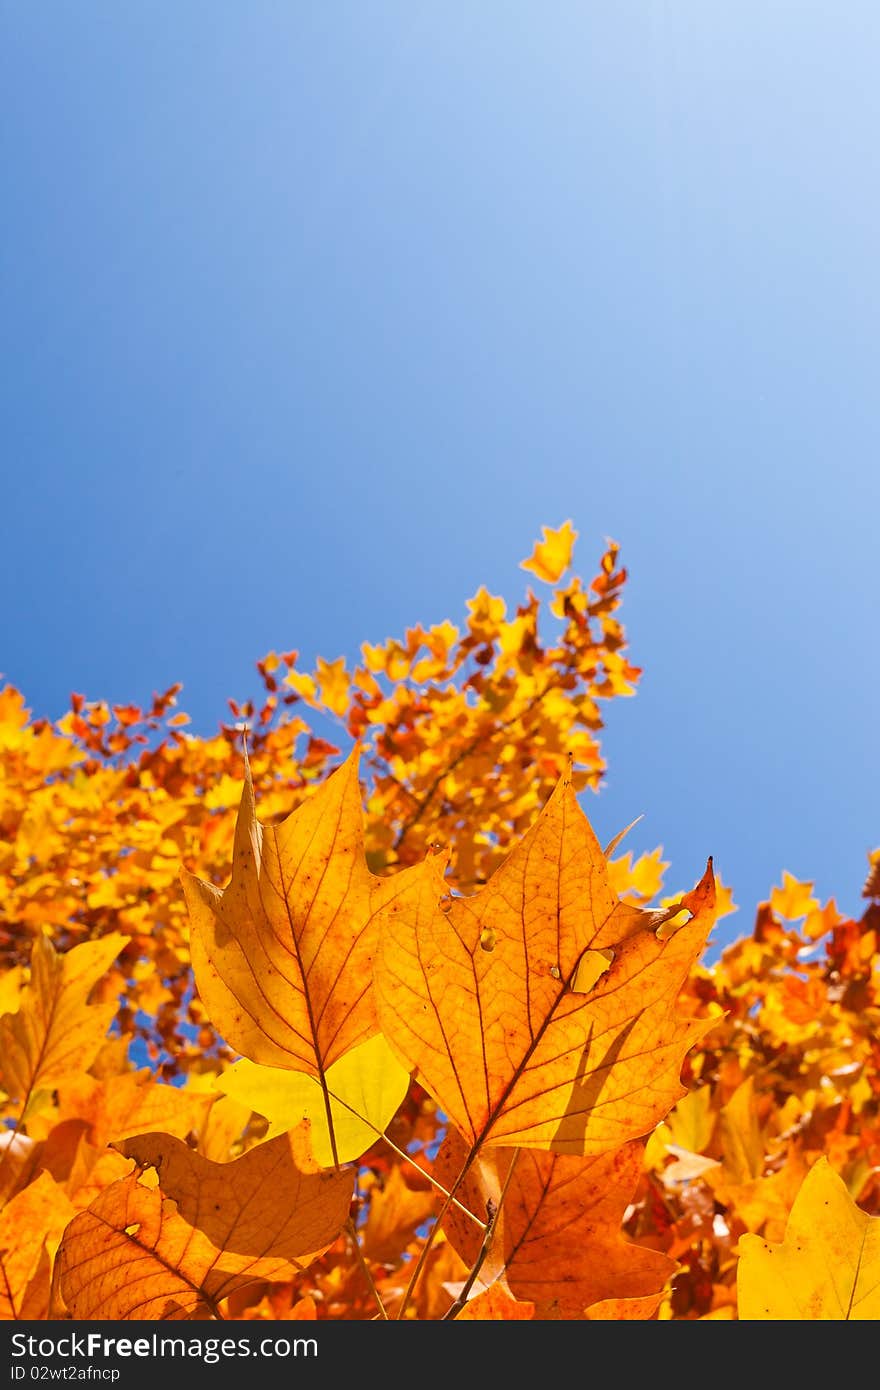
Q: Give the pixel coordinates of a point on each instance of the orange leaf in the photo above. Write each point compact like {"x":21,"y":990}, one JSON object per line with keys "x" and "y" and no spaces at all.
{"x":557,"y":1241}
{"x":30,"y":1223}
{"x":282,"y":956}
{"x":622,"y":1309}
{"x":480,"y":994}
{"x":132,"y":1103}
{"x":211,"y":1228}
{"x":496,"y":1303}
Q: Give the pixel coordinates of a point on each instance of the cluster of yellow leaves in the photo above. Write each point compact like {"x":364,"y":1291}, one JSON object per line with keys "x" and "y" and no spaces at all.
{"x":489,"y":1082}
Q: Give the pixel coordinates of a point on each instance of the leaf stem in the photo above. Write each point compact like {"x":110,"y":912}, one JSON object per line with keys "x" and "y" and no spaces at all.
{"x":365,"y":1268}
{"x":429,"y":1239}
{"x":401,"y":1153}
{"x":465,"y":1211}
{"x":493,"y":1213}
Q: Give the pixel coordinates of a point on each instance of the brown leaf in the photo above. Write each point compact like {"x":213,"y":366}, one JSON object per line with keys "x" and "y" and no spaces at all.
{"x":557,"y":1241}
{"x":211,"y":1228}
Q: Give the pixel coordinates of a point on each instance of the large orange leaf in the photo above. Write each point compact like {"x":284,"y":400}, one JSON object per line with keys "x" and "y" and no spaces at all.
{"x":557,"y":1241}
{"x":283,"y":955}
{"x":540,"y":1011}
{"x":55,"y":1032}
{"x":210,"y":1228}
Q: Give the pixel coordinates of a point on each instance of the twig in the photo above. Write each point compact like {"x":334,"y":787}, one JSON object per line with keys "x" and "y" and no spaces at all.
{"x":365,"y":1268}
{"x":492,"y":1212}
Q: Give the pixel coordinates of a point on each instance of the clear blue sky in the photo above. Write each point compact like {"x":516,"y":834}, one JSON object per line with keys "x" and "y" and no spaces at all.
{"x":313,"y":314}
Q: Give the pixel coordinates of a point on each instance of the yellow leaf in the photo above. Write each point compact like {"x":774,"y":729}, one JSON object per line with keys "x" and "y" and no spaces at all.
{"x":303,"y":685}
{"x":641,"y":880}
{"x":365,"y":1088}
{"x":10,"y":990}
{"x":487,"y":610}
{"x":686,"y":1166}
{"x":210,"y":1228}
{"x":826,"y":1268}
{"x":334,"y":683}
{"x":692,"y":1122}
{"x":552,"y":556}
{"x":477,"y":994}
{"x":56,"y":1033}
{"x":743,"y":1144}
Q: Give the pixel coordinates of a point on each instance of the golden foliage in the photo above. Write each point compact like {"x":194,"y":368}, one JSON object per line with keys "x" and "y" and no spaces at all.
{"x":422,"y":946}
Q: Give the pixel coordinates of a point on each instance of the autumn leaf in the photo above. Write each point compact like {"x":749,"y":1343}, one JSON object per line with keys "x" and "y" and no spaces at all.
{"x":552,"y":556}
{"x":691,"y":1123}
{"x":30,"y":1228}
{"x":56,"y":1032}
{"x":794,"y":899}
{"x":283,"y":955}
{"x":480,"y":994}
{"x":742,"y":1143}
{"x":557,"y":1241}
{"x":365,"y":1088}
{"x":210,"y":1228}
{"x":826,"y":1268}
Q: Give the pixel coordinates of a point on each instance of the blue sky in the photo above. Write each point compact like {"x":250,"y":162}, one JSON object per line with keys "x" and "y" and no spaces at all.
{"x":313,"y":315}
